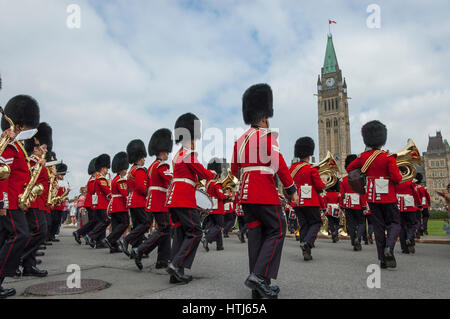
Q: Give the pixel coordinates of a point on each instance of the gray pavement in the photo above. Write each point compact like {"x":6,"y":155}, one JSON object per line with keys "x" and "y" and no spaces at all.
{"x":336,"y":272}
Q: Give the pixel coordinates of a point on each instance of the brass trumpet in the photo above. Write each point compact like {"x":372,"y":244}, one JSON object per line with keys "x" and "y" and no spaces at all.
{"x":406,"y":158}
{"x":4,"y":168}
{"x":328,"y":170}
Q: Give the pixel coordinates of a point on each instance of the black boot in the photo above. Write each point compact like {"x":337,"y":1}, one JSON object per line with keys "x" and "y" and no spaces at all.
{"x":77,"y":237}
{"x":205,"y":244}
{"x":4,"y":293}
{"x":39,"y":253}
{"x":389,"y":258}
{"x":177,"y":273}
{"x":161,"y":264}
{"x":124,"y":246}
{"x":306,"y":250}
{"x":35,"y":272}
{"x":257,"y":283}
{"x":137,"y":256}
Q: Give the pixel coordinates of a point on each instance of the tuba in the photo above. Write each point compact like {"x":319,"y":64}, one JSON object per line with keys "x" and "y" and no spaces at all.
{"x":406,"y":158}
{"x":230,"y":181}
{"x":4,"y":141}
{"x":32,"y":191}
{"x":328,"y":170}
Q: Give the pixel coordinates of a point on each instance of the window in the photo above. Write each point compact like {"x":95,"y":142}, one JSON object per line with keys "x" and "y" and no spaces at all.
{"x":442,"y":174}
{"x":442,"y":163}
{"x":335,"y":122}
{"x":337,"y":104}
{"x":432,"y":163}
{"x":328,"y":124}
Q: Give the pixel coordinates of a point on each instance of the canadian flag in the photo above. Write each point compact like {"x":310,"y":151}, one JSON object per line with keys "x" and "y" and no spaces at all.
{"x":331,"y":21}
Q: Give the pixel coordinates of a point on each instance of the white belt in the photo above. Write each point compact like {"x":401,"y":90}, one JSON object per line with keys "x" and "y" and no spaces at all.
{"x":116,"y":195}
{"x":258,"y":168}
{"x":157,"y":188}
{"x":185,"y":180}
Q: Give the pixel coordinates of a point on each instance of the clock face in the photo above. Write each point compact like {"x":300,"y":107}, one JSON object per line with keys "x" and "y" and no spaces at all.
{"x":329,"y":82}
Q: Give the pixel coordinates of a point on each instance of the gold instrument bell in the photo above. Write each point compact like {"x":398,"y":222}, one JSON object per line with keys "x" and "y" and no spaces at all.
{"x":4,"y":168}
{"x":230,"y":181}
{"x":406,"y":158}
{"x":328,"y":170}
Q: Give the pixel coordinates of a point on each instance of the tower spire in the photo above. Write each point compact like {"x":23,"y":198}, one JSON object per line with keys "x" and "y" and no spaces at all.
{"x":330,"y":63}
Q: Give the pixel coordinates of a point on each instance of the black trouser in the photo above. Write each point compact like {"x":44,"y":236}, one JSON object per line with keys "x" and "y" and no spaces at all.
{"x":243,"y":228}
{"x":187,"y":235}
{"x":48,"y":218}
{"x":333,"y":225}
{"x":89,"y":226}
{"x":102,"y":222}
{"x":368,"y":228}
{"x":266,"y":233}
{"x":56,"y":221}
{"x":309,"y":220}
{"x":120,"y":222}
{"x":425,"y":217}
{"x":228,"y":222}
{"x":160,"y":238}
{"x":408,"y":222}
{"x":37,"y":224}
{"x":385,"y":217}
{"x":141,"y":224}
{"x":418,"y":224}
{"x":214,"y":230}
{"x":15,"y":236}
{"x":356,"y":224}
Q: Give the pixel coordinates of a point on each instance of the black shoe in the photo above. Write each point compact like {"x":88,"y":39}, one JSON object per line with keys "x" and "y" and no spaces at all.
{"x":383,"y":265}
{"x":17,"y":274}
{"x":107,"y":243}
{"x":357,"y":246}
{"x":39,"y":253}
{"x":259,"y":284}
{"x":115,"y":249}
{"x":77,"y":237}
{"x":256,"y":295}
{"x":100,"y":245}
{"x":161,"y":264}
{"x":306,"y":250}
{"x":241,"y":237}
{"x":38,"y":261}
{"x":89,"y":241}
{"x":48,"y":243}
{"x":124,"y":247}
{"x":205,"y":244}
{"x":134,"y":254}
{"x":220,"y":248}
{"x":410,"y":245}
{"x":389,"y":258}
{"x":55,"y":240}
{"x":405,"y":251}
{"x":35,"y":272}
{"x":42,"y":247}
{"x":175,"y":271}
{"x":7,"y":292}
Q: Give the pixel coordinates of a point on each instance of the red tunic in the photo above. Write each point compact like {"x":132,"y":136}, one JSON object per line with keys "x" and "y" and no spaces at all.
{"x":89,"y":191}
{"x":383,"y":168}
{"x":322,"y":201}
{"x":237,"y":206}
{"x":103,"y":192}
{"x":408,"y":198}
{"x":137,"y":186}
{"x":215,"y":192}
{"x":256,"y":156}
{"x":424,"y":197}
{"x":119,"y":193}
{"x":228,"y":206}
{"x":308,"y":180}
{"x":349,"y":199}
{"x":159,"y":178}
{"x":43,"y":179}
{"x":61,"y":205}
{"x":187,"y":170}
{"x":15,"y":157}
{"x":332,"y":202}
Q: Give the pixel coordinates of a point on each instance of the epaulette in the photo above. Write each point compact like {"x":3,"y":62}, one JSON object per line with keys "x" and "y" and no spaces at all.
{"x":268,"y":131}
{"x":101,"y":177}
{"x":163,"y":164}
{"x":141,"y":167}
{"x":121,"y":179}
{"x":14,"y":145}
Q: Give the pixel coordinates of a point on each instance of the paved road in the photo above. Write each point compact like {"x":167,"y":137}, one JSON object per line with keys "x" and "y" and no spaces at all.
{"x":335,"y":272}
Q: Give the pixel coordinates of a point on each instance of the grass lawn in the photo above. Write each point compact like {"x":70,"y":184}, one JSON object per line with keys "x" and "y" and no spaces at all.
{"x":435,"y":227}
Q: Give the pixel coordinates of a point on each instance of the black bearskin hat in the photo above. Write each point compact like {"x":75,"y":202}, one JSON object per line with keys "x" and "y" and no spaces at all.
{"x":335,"y":188}
{"x":257,"y":103}
{"x":50,"y":156}
{"x":374,"y":134}
{"x":91,"y":167}
{"x":215,"y":165}
{"x":304,"y":147}
{"x":135,"y":151}
{"x":187,"y":123}
{"x":102,"y":161}
{"x":419,"y":178}
{"x":22,"y":110}
{"x":161,"y":141}
{"x":44,"y":136}
{"x":61,"y":169}
{"x":350,"y":158}
{"x":120,"y":162}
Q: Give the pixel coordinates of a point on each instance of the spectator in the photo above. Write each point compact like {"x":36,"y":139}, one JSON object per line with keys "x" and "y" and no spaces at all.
{"x":73,"y":212}
{"x":446,"y":195}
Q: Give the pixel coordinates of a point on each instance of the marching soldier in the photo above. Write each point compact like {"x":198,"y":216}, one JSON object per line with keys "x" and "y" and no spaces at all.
{"x":118,"y":205}
{"x":37,"y":147}
{"x":137,"y":191}
{"x":100,"y":201}
{"x":159,"y":178}
{"x":408,"y":204}
{"x":187,"y":170}
{"x":23,"y":110}
{"x":56,"y":212}
{"x":309,"y":184}
{"x":426,"y":202}
{"x":354,"y":205}
{"x":382,"y":175}
{"x":332,"y":201}
{"x":216,"y":215}
{"x":230,"y":213}
{"x":256,"y":156}
{"x":243,"y":228}
{"x":51,"y":171}
{"x":86,"y":228}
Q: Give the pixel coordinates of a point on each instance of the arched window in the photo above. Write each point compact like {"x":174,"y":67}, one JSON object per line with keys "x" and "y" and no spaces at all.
{"x":332,"y":104}
{"x":337,"y":104}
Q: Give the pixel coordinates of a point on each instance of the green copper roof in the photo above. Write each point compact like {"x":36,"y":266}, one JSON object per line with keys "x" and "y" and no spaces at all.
{"x":330,"y":63}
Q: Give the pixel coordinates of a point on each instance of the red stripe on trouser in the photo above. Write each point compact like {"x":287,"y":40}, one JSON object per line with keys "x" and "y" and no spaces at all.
{"x":254,"y":224}
{"x":275,"y":247}
{"x":12,"y":245}
{"x":192,"y":242}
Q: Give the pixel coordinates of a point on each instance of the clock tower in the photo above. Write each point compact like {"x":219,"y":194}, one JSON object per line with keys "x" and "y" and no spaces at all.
{"x":333,"y":123}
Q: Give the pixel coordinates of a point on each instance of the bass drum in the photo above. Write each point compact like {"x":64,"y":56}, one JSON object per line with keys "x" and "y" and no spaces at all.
{"x":204,"y":202}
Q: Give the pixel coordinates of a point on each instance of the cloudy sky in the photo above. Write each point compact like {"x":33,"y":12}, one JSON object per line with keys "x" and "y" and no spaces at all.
{"x":135,"y":66}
